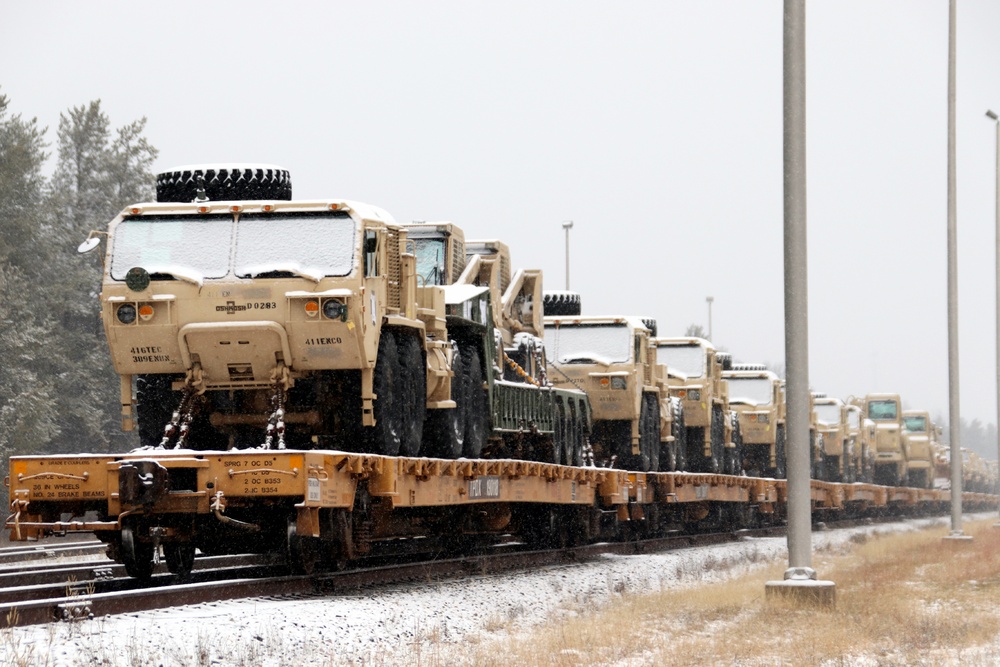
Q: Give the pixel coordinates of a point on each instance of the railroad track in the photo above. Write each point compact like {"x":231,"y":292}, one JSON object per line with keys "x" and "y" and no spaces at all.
{"x":82,"y":591}
{"x":96,"y":589}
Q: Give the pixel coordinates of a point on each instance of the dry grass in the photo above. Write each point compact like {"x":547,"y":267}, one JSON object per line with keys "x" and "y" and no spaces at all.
{"x":901,"y":599}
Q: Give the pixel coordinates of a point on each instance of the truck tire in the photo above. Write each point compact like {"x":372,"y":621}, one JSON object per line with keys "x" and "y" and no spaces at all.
{"x":224,"y":183}
{"x":679,"y":432}
{"x":736,"y":454}
{"x":476,"y":413}
{"x":650,"y":436}
{"x":556,"y":304}
{"x":413,"y":395}
{"x":154,"y":406}
{"x":780,"y":463}
{"x":718,"y":433}
{"x":444,"y":429}
{"x":384,"y":437}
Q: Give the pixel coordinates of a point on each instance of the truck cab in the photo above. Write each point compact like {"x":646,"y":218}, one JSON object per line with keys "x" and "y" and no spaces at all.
{"x":917,"y":442}
{"x":611,"y":359}
{"x":886,"y":411}
{"x":695,"y":377}
{"x":755,"y":395}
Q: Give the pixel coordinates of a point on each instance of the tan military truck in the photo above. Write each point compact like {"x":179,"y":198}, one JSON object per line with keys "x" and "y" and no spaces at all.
{"x":244,"y":319}
{"x":838,"y":455}
{"x":611,"y":359}
{"x":886,"y":411}
{"x":695,"y":377}
{"x":861,"y":434}
{"x":755,"y":395}
{"x":917,"y":429}
{"x":815,"y":436}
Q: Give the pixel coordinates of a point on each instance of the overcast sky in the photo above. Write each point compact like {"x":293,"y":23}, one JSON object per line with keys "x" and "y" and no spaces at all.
{"x":655,"y":126}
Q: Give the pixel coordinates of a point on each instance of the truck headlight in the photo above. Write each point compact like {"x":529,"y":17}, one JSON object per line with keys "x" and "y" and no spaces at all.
{"x":334,"y":310}
{"x":694,"y":394}
{"x":126,"y":313}
{"x":618,"y":383}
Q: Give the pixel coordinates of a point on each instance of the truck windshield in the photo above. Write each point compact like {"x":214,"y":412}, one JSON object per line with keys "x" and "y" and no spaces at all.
{"x":430,"y":261}
{"x":581,"y":343}
{"x":313,"y":245}
{"x":854,"y":419}
{"x":882,"y":410}
{"x":751,"y":391}
{"x":168,"y":244}
{"x":687,"y":359}
{"x":828,"y":413}
{"x":915,"y":424}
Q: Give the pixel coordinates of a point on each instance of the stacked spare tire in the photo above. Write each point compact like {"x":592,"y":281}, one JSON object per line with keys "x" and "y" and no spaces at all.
{"x":223,"y":183}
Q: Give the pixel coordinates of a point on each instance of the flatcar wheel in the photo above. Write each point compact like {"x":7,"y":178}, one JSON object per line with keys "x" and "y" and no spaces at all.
{"x":303,"y":553}
{"x":137,"y":556}
{"x":180,"y":558}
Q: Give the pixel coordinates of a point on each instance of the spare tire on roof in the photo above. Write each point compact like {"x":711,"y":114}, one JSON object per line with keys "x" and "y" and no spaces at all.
{"x":561,"y":303}
{"x":650,"y":324}
{"x":223,"y":183}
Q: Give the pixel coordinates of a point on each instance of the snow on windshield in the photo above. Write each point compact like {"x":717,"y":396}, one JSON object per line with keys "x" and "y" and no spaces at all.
{"x":915,"y":424}
{"x":752,"y":391}
{"x":688,"y":359}
{"x":854,"y":419}
{"x":607,"y":343}
{"x":828,"y":413}
{"x":304,"y":244}
{"x":161,"y":245}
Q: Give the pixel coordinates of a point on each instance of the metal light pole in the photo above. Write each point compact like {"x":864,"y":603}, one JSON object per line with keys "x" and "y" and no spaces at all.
{"x":800,"y":578}
{"x":996,"y":120}
{"x":567,"y":225}
{"x":709,"y":299}
{"x":954,"y":425}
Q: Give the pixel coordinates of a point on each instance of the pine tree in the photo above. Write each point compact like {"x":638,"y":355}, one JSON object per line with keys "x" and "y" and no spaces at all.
{"x":95,"y":177}
{"x":27,"y":391}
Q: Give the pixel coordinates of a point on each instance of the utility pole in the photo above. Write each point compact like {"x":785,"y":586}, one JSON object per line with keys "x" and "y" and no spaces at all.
{"x":567,"y":225}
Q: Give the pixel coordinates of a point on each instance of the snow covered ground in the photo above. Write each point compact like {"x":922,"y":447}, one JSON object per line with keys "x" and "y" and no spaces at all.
{"x":397,"y":625}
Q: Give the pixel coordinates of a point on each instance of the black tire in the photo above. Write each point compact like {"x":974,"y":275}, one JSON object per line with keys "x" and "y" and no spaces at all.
{"x":680,"y":437}
{"x":560,"y":438}
{"x":222,"y":183}
{"x":737,"y":454}
{"x":561,"y":303}
{"x":179,"y":557}
{"x":780,"y":469}
{"x":154,"y":406}
{"x":136,"y":555}
{"x":384,"y":436}
{"x":718,"y":434}
{"x":650,"y":436}
{"x":444,"y":429}
{"x":579,"y":436}
{"x":476,"y":413}
{"x":413,"y":396}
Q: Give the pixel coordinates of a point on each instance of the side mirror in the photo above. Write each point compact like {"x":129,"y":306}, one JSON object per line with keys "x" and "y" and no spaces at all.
{"x":88,"y":245}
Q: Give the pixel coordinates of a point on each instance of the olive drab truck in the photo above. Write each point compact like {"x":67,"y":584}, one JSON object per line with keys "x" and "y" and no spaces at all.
{"x":612,"y":360}
{"x":244,"y":319}
{"x":838,"y":453}
{"x":917,"y":443}
{"x":756,"y":397}
{"x":529,"y":418}
{"x":886,"y":411}
{"x":861,"y":433}
{"x":695,"y":377}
